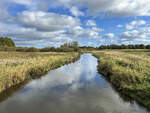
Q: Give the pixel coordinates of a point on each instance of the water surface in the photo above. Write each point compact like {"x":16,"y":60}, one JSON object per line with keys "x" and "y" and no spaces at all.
{"x":73,"y":88}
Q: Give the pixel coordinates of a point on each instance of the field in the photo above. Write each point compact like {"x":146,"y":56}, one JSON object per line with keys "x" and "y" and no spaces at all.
{"x":128,"y":71}
{"x":16,"y":67}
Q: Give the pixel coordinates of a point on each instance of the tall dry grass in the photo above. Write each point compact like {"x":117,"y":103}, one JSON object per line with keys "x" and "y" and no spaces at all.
{"x":128,"y":72}
{"x":17,"y":67}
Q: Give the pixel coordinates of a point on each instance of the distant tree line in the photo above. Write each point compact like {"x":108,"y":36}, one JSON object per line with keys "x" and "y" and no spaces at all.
{"x":6,"y":42}
{"x":87,"y":48}
{"x":136,"y":46}
{"x":66,"y":47}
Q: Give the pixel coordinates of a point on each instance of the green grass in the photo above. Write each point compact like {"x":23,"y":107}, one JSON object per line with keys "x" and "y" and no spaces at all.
{"x":17,"y":67}
{"x":128,"y":71}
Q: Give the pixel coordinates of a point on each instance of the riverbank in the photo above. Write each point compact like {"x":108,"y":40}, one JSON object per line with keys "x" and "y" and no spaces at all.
{"x":128,"y":72}
{"x":16,"y":67}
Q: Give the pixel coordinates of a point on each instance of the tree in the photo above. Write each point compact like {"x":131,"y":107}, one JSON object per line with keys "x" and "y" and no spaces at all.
{"x":147,"y":47}
{"x":142,"y":46}
{"x":6,"y":42}
{"x":32,"y":49}
{"x":75,"y":46}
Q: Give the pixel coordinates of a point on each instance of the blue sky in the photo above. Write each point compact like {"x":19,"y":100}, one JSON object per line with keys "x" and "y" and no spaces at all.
{"x":43,"y":23}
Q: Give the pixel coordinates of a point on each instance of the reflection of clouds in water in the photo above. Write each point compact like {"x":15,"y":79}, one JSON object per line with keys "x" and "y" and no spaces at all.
{"x":69,"y":74}
{"x":74,"y":88}
{"x":91,"y":67}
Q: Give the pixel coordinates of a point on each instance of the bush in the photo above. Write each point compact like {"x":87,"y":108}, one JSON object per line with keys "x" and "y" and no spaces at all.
{"x":6,"y":42}
{"x":32,"y":49}
{"x":21,"y":49}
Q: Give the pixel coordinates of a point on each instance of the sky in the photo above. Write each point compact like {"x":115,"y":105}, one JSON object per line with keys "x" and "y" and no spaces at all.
{"x":43,"y":23}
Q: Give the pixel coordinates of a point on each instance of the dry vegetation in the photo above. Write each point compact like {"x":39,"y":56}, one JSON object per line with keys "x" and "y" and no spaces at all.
{"x":128,"y":71}
{"x":17,"y":67}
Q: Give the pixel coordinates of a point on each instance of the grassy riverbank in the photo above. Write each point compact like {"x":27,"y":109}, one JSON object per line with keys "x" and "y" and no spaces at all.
{"x":17,"y":67}
{"x":128,"y":71}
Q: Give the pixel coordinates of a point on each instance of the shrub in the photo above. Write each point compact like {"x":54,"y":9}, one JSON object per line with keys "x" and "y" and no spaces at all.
{"x":6,"y":42}
{"x":32,"y":49}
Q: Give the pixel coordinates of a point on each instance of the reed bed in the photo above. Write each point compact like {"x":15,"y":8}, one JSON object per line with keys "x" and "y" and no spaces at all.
{"x":16,"y":67}
{"x":129,"y":72}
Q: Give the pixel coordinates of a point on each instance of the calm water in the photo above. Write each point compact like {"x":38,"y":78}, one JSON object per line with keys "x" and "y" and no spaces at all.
{"x":73,"y":88}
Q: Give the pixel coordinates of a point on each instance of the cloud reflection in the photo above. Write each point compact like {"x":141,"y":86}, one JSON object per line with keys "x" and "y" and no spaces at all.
{"x":73,"y":88}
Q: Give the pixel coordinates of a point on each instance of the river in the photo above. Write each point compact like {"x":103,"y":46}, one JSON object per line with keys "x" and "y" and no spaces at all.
{"x":72,"y":88}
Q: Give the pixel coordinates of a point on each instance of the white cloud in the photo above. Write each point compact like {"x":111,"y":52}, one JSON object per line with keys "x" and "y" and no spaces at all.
{"x":30,"y":36}
{"x":24,"y":2}
{"x":120,"y":8}
{"x":76,"y":12}
{"x":80,"y":32}
{"x":135,"y":35}
{"x":109,"y":35}
{"x":37,"y":24}
{"x":38,"y":5}
{"x":110,"y":8}
{"x":130,"y":34}
{"x":91,"y":23}
{"x":4,"y":15}
{"x":119,"y":26}
{"x":43,"y":21}
{"x":135,"y":24}
{"x":129,"y":27}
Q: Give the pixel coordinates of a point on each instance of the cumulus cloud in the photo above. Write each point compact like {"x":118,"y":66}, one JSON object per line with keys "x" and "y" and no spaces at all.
{"x":3,"y":12}
{"x":43,"y":21}
{"x":90,"y":23}
{"x":80,"y":32}
{"x":120,"y":8}
{"x":34,"y":4}
{"x":25,"y":2}
{"x":46,"y":29}
{"x":30,"y":36}
{"x":35,"y":27}
{"x":135,"y":24}
{"x":110,"y":8}
{"x":109,"y":35}
{"x":76,"y":12}
{"x":130,"y":35}
{"x":135,"y":35}
{"x":136,"y":32}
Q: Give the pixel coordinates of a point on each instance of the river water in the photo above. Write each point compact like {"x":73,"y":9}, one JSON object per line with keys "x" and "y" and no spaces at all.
{"x":73,"y":88}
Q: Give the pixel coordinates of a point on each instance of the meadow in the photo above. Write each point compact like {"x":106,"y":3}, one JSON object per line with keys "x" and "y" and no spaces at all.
{"x":17,"y":67}
{"x":128,"y":71}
